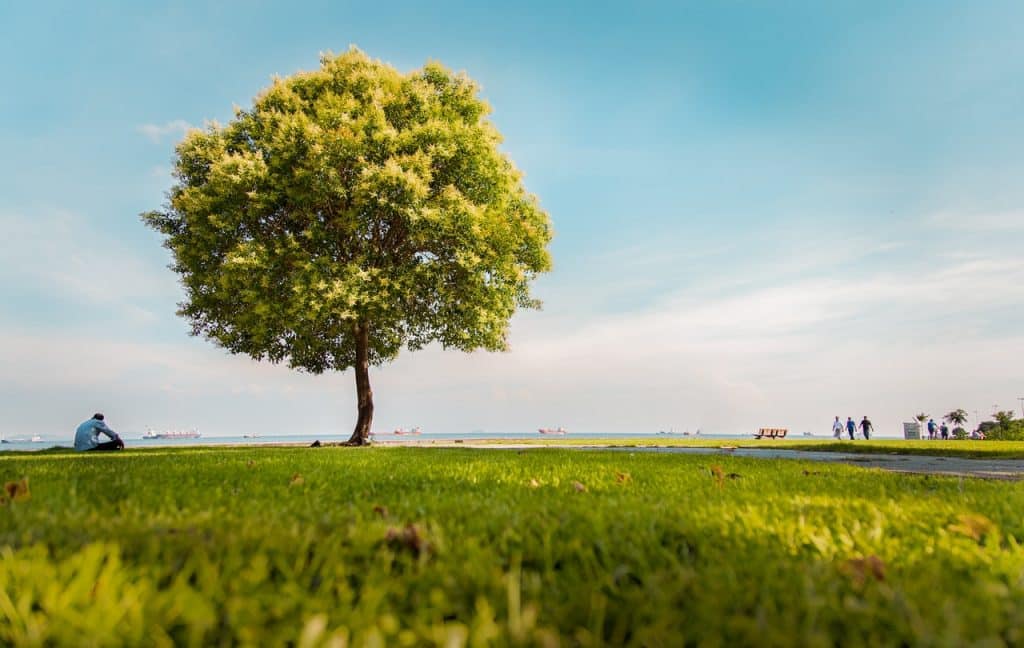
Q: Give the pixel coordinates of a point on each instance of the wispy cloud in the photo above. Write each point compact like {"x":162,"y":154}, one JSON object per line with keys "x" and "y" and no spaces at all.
{"x":157,"y":132}
{"x":996,"y":221}
{"x":50,"y":381}
{"x":789,"y":352}
{"x":793,"y":354}
{"x":67,"y":260}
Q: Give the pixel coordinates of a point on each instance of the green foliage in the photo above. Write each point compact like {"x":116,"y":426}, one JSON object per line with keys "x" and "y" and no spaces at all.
{"x":353,"y":196}
{"x":471,"y":547}
{"x":1005,"y":427}
{"x":957,"y":417}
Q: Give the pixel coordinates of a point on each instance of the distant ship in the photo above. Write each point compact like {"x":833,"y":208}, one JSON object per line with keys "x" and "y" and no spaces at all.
{"x":684,"y":432}
{"x":415,"y":430}
{"x":559,"y":430}
{"x":171,"y":434}
{"x":34,"y":439}
{"x":250,"y":436}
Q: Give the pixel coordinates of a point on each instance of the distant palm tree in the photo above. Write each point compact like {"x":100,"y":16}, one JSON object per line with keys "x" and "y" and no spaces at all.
{"x":921,"y":418}
{"x":957,"y":417}
{"x":1003,"y":418}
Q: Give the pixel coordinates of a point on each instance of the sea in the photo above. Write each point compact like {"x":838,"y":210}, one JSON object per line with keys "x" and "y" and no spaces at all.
{"x":138,"y":442}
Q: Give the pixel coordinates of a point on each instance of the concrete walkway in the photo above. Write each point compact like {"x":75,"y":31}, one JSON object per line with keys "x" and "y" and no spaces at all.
{"x":1011,"y":469}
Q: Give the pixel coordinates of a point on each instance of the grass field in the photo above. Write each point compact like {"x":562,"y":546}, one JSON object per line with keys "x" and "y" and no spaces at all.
{"x":967,"y":449}
{"x":406,"y":546}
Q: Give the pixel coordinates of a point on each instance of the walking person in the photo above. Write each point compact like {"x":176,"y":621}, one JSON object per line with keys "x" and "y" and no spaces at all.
{"x":866,"y":427}
{"x":944,"y":431}
{"x":932,"y":428}
{"x":87,"y":436}
{"x":851,"y":427}
{"x":837,"y":429}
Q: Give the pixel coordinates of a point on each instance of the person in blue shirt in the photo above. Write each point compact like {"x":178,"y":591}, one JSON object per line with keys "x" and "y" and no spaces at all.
{"x":87,"y":436}
{"x":931,"y":428}
{"x":851,"y":427}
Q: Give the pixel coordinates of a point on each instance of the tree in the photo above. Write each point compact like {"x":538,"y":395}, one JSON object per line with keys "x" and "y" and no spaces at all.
{"x":957,"y":418}
{"x":351,"y":212}
{"x":1004,"y":428}
{"x":1003,"y":418}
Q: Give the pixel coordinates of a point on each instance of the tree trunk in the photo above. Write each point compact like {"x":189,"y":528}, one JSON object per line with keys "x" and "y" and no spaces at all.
{"x":364,"y":395}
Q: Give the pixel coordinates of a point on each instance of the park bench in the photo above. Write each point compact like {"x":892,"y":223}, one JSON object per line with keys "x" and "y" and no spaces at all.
{"x":771,"y":433}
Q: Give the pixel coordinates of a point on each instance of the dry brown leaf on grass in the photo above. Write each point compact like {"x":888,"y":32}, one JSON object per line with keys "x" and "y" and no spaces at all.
{"x":381,"y":510}
{"x":623,"y":477}
{"x":718,"y":474}
{"x":859,"y":569}
{"x":534,"y":483}
{"x":973,"y":526}
{"x":296,"y":480}
{"x":16,"y":491}
{"x":408,"y":538}
{"x":580,"y":488}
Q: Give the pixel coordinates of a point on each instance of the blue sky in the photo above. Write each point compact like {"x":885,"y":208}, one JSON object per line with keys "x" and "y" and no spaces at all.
{"x":766,"y":213}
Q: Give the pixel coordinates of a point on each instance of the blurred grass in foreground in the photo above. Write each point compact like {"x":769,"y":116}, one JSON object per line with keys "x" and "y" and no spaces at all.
{"x":407,"y":546}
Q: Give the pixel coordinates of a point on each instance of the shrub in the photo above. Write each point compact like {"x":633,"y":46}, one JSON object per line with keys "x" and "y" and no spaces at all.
{"x":1003,"y":428}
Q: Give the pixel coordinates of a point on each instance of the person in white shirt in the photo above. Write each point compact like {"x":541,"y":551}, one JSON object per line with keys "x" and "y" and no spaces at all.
{"x":87,"y":436}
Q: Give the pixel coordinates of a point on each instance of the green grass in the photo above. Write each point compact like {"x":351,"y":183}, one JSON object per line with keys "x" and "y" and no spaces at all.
{"x":967,"y":449}
{"x":213,"y":546}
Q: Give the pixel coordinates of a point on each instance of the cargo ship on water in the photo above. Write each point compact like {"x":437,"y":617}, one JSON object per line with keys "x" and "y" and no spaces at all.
{"x":171,"y":434}
{"x":558,"y":430}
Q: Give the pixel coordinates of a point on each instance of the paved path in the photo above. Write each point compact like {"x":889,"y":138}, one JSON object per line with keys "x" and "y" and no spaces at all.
{"x":1012,"y":469}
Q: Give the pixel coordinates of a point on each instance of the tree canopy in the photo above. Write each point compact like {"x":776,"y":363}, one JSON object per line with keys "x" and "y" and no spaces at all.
{"x":351,"y":212}
{"x":957,"y":416}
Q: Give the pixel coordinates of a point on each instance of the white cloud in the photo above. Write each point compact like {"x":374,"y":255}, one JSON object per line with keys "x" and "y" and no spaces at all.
{"x":789,"y":353}
{"x":997,"y":221}
{"x":724,"y":357}
{"x":62,"y":256}
{"x":156,"y":132}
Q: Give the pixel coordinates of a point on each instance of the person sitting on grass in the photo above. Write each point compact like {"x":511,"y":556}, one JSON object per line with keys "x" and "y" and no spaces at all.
{"x":87,"y":436}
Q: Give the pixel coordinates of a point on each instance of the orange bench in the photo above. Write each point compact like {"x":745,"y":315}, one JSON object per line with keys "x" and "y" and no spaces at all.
{"x":771,"y":433}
